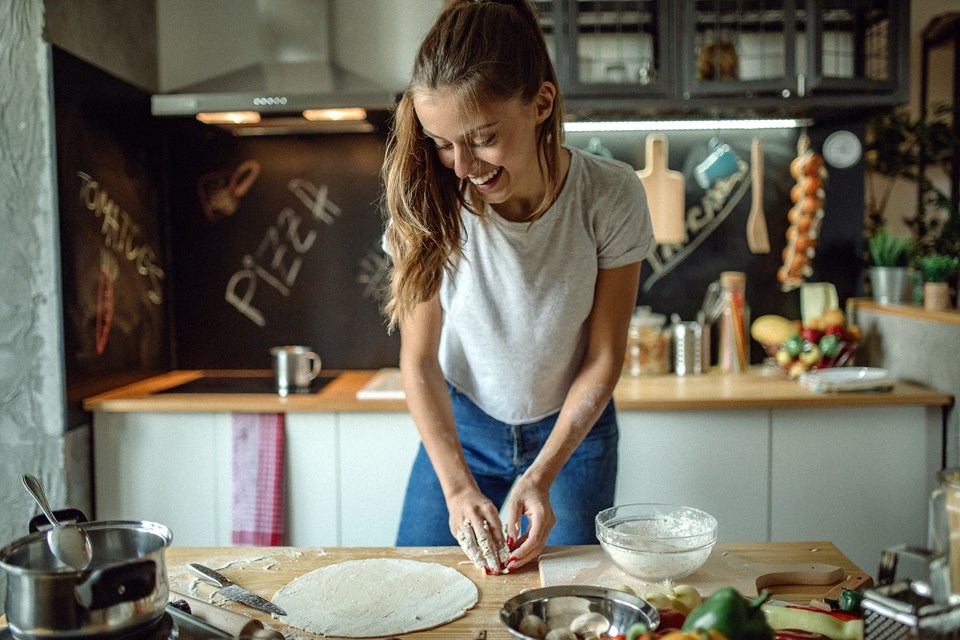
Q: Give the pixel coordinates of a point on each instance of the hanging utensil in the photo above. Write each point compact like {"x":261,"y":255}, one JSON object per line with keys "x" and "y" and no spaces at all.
{"x":666,"y":190}
{"x":68,"y":542}
{"x":758,"y":239}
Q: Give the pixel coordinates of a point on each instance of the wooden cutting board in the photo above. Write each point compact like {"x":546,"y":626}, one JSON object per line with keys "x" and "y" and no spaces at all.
{"x":724,"y":568}
{"x":665,"y":192}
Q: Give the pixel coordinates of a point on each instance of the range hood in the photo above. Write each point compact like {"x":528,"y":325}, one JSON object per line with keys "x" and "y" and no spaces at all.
{"x":294,"y":73}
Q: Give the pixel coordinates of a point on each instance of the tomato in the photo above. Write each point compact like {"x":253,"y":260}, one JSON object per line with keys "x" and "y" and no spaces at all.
{"x":794,"y":345}
{"x":830,"y":345}
{"x":798,"y":634}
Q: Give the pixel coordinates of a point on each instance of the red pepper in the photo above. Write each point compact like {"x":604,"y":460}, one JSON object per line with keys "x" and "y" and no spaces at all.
{"x":839,"y":615}
{"x":798,"y":634}
{"x":670,"y":619}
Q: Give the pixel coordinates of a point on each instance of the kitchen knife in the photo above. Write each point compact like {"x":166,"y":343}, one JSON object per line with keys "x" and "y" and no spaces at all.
{"x":233,"y":591}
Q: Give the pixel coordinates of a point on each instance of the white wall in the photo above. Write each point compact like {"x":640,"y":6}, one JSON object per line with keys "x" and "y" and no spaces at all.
{"x":32,"y":410}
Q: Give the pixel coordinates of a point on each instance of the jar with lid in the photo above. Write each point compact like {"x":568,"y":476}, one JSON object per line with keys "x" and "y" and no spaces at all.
{"x":733,"y":348}
{"x":648,"y":344}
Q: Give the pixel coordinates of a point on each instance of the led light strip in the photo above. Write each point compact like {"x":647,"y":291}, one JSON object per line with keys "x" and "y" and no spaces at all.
{"x":684,"y":125}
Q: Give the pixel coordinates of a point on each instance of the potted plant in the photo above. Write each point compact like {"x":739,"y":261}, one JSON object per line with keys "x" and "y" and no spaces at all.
{"x":937,"y":269}
{"x":889,"y":257}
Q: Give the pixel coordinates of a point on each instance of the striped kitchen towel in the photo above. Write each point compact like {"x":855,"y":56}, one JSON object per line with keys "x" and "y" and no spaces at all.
{"x":258,"y":479}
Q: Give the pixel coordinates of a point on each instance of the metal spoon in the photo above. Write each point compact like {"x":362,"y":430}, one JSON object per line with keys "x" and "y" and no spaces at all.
{"x":68,"y":542}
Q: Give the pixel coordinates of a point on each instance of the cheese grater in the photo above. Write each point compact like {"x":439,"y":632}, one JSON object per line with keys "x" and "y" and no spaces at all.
{"x":911,"y":609}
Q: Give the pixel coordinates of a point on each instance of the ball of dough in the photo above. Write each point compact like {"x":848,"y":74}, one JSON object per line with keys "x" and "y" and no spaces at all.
{"x":561,"y":634}
{"x":533,"y":625}
{"x":590,"y":625}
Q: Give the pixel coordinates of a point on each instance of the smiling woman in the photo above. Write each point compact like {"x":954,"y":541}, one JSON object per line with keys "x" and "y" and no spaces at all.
{"x":516,"y":264}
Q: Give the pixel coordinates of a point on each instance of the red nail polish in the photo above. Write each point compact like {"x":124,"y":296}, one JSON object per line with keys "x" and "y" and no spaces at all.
{"x":511,"y":560}
{"x":486,"y":570}
{"x":510,"y":541}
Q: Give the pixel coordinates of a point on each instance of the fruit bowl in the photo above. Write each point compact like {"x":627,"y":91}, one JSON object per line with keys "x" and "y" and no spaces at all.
{"x":656,"y":541}
{"x":812,"y":352}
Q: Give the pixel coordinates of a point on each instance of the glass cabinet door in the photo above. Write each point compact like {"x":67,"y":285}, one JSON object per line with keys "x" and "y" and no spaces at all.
{"x":741,"y":47}
{"x":612,"y":47}
{"x":792,"y":48}
{"x":854,"y":45}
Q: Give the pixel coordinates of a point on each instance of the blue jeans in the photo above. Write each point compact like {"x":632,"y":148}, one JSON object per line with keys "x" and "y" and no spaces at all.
{"x":497,"y":453}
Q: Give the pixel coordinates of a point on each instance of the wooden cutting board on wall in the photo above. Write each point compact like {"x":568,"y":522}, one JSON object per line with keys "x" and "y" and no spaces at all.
{"x":726,"y":567}
{"x":665,"y":192}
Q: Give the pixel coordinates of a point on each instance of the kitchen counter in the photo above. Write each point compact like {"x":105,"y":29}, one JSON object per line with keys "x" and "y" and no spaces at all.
{"x":265,"y":570}
{"x":760,"y":388}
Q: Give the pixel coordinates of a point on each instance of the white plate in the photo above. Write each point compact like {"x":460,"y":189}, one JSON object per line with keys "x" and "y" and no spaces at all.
{"x":847,"y":379}
{"x":384,"y":385}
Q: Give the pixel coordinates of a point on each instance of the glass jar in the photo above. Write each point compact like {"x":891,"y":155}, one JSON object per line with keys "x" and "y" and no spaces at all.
{"x":648,"y":345}
{"x":733,"y":348}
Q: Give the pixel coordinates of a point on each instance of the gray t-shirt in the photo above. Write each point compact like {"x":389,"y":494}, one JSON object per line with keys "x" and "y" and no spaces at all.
{"x":515,"y":308}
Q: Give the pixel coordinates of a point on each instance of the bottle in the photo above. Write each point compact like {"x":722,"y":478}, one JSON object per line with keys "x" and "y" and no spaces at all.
{"x":734,"y":348}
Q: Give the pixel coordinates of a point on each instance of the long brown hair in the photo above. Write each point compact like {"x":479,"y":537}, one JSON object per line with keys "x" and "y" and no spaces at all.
{"x":483,"y":50}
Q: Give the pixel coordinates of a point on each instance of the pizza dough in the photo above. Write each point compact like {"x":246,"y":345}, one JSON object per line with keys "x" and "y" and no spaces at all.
{"x":376,"y":597}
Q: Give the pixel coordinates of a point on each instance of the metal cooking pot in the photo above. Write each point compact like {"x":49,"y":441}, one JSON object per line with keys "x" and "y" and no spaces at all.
{"x":124,"y":587}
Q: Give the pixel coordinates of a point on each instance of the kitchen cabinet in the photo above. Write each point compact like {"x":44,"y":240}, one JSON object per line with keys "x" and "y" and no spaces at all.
{"x":716,"y":461}
{"x":857,"y":476}
{"x":766,"y":56}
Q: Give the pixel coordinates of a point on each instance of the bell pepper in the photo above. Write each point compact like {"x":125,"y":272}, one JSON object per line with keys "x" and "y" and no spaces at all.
{"x":728,"y":612}
{"x":837,"y":625}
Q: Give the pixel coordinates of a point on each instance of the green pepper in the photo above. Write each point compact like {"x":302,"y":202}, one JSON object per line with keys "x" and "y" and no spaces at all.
{"x":729,"y":613}
{"x":850,"y":600}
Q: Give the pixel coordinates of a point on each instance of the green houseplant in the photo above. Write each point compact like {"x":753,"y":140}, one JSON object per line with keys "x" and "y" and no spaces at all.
{"x":937,"y":269}
{"x":889,"y":257}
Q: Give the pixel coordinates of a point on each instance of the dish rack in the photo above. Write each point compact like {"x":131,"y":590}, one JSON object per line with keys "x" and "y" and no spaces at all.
{"x":911,"y":609}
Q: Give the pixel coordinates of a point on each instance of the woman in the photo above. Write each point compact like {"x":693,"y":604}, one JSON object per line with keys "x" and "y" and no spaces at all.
{"x":516,"y":266}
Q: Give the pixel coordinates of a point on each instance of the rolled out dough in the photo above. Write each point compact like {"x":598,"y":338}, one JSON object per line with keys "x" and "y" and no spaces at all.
{"x":376,"y":597}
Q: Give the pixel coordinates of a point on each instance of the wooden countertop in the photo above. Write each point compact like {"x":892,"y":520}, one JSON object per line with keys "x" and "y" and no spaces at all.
{"x":264,"y":570}
{"x":760,"y":388}
{"x":912,"y":311}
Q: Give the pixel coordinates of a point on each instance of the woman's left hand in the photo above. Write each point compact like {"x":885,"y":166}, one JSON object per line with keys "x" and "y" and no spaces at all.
{"x":530,"y":499}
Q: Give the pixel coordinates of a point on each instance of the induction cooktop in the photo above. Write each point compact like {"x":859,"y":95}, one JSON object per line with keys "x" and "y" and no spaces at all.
{"x":173,"y":624}
{"x":244,"y":384}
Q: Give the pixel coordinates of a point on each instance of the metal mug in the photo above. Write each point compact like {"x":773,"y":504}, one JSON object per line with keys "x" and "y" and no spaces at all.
{"x":294,"y":368}
{"x":691,"y":348}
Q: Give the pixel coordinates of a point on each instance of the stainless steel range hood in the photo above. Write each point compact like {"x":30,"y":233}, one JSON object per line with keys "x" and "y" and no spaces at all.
{"x":295,"y":72}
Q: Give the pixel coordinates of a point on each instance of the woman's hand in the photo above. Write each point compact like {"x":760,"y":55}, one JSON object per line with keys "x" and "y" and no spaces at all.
{"x":531,"y":499}
{"x":475,"y":524}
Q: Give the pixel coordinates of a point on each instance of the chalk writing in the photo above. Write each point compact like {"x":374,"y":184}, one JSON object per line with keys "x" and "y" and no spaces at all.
{"x":122,"y":235}
{"x":701,"y":221}
{"x":278,"y":257}
{"x":108,"y":275}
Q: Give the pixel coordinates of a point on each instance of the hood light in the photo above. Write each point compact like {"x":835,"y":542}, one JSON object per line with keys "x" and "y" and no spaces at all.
{"x":685,"y":125}
{"x":336,"y":115}
{"x":229,"y":117}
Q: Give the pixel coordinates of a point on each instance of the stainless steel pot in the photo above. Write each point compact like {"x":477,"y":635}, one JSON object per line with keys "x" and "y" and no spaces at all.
{"x":124,"y":587}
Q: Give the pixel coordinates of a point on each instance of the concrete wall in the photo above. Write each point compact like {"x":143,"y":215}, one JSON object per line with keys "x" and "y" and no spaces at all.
{"x":32,"y":414}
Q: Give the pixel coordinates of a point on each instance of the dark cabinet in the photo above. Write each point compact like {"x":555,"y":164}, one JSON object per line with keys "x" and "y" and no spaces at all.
{"x":764,"y":56}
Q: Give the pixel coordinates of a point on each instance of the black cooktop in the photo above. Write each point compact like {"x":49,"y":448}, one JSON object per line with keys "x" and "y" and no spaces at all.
{"x":244,"y":384}
{"x":172,"y":625}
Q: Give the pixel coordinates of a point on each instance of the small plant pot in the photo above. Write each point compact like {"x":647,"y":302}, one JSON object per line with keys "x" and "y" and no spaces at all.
{"x":936,"y":296}
{"x":888,"y":284}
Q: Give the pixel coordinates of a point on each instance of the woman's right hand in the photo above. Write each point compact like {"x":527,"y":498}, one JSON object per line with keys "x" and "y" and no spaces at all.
{"x":475,"y":523}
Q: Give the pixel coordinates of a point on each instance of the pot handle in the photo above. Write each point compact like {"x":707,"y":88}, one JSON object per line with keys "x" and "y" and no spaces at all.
{"x":40,"y":521}
{"x":121,"y":583}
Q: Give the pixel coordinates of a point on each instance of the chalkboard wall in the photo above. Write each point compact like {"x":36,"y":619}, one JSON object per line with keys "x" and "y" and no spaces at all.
{"x":113,"y":266}
{"x":276,"y":240}
{"x":186,"y":247}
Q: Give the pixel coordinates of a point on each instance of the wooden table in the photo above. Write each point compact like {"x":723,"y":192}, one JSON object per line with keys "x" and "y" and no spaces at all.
{"x":264,"y":570}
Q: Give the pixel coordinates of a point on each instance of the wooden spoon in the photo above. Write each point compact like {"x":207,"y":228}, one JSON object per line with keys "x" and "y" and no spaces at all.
{"x":758,"y":239}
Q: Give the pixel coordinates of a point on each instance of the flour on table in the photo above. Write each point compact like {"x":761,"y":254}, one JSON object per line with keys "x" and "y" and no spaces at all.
{"x":376,"y":597}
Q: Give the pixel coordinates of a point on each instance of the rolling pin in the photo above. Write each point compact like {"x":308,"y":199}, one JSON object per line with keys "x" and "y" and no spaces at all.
{"x":236,"y":624}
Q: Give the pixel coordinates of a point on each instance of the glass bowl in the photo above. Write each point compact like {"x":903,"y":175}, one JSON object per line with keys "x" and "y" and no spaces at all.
{"x":558,"y":605}
{"x":656,"y":541}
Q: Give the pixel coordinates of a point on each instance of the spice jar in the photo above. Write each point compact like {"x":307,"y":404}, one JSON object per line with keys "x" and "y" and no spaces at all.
{"x":733,"y":348}
{"x":648,"y":345}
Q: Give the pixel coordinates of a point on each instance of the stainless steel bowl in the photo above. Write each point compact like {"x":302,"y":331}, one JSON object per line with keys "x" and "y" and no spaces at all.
{"x":620,"y":608}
